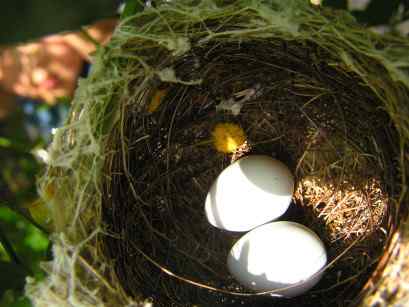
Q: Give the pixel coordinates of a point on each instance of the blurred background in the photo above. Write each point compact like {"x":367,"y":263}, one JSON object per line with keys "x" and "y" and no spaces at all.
{"x":37,"y":82}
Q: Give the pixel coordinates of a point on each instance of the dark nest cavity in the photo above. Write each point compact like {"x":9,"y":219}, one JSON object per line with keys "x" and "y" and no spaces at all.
{"x":319,"y":119}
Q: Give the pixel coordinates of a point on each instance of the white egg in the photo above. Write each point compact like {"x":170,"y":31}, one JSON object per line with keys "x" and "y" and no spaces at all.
{"x":278,"y":255}
{"x":250,"y":192}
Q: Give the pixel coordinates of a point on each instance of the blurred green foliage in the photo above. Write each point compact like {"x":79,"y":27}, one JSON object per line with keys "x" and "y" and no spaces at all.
{"x":375,"y":12}
{"x":13,"y":298}
{"x":28,"y":242}
{"x":23,"y":246}
{"x":131,"y":7}
{"x":29,"y":19}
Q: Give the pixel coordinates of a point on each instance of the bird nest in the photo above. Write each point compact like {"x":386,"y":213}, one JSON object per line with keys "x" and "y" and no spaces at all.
{"x":139,"y":152}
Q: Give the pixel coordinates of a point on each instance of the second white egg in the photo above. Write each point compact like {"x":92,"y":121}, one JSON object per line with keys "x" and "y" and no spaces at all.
{"x":285,"y":257}
{"x":250,"y":192}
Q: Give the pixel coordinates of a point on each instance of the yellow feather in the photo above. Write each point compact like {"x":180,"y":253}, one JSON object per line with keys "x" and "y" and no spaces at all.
{"x":228,"y":137}
{"x":156,"y":100}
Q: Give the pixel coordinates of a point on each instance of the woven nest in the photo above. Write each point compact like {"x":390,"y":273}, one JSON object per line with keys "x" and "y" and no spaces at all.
{"x":135,"y":160}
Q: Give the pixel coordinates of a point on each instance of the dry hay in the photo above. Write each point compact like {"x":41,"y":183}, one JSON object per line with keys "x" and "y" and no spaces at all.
{"x":315,"y":94}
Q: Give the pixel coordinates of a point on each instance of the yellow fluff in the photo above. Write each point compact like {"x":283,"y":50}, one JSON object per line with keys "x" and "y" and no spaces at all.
{"x":228,"y":137}
{"x":156,"y":100}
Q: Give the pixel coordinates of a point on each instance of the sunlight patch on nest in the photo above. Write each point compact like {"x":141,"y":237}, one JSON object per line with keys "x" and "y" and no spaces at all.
{"x":348,"y":211}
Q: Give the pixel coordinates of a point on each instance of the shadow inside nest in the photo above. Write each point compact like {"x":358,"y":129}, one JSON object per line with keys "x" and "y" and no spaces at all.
{"x":317,"y":119}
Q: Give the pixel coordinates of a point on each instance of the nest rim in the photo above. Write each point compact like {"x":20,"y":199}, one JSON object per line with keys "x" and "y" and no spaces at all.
{"x":94,"y":115}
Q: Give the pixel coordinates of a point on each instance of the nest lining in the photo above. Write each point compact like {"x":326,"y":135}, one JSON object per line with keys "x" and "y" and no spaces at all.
{"x":121,"y":84}
{"x":304,"y":113}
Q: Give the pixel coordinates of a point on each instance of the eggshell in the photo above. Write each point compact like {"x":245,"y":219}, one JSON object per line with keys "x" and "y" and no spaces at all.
{"x":250,"y":192}
{"x":278,"y":255}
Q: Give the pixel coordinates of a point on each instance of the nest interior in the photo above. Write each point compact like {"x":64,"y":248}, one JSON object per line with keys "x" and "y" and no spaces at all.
{"x":320,"y":120}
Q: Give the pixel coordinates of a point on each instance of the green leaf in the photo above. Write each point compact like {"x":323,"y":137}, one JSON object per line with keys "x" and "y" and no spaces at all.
{"x":132,"y":7}
{"x":8,"y":247}
{"x":12,"y":277}
{"x":29,"y":244}
{"x":337,"y":4}
{"x":4,"y":142}
{"x":13,"y":298}
{"x":378,"y":12}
